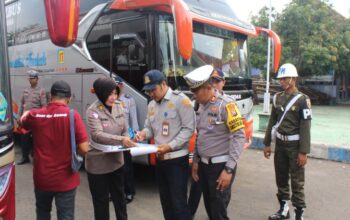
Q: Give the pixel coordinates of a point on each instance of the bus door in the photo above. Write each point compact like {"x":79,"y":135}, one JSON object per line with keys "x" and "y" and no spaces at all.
{"x":129,"y":51}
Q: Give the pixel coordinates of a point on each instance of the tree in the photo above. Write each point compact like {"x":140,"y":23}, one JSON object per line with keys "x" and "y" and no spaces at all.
{"x":314,"y":37}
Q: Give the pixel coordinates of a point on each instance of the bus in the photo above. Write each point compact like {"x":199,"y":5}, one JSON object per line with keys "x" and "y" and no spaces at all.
{"x":59,"y":36}
{"x":126,"y":38}
{"x":7,"y":151}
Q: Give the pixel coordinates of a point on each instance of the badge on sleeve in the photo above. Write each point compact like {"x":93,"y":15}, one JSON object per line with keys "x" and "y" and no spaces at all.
{"x":186,"y":102}
{"x":234,"y":119}
{"x":165,"y":129}
{"x":306,"y":111}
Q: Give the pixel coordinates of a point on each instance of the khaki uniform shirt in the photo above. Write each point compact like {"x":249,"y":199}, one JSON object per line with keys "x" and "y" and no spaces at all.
{"x":296,"y":121}
{"x":108,"y":129}
{"x":129,"y":109}
{"x":220,"y":130}
{"x":32,"y":98}
{"x":172,"y":121}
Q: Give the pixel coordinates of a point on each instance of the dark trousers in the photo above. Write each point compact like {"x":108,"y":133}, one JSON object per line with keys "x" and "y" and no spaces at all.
{"x":195,"y":196}
{"x":128,"y":174}
{"x":103,"y":185}
{"x":285,"y":159}
{"x":172,"y":176}
{"x":215,"y":201}
{"x":26,"y":144}
{"x":64,"y":204}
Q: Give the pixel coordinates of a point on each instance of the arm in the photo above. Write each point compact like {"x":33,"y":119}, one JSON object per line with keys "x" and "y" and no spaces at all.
{"x":133,"y":115}
{"x":21,"y":106}
{"x":43,"y":100}
{"x":272,"y":122}
{"x":147,"y":130}
{"x":187,"y":117}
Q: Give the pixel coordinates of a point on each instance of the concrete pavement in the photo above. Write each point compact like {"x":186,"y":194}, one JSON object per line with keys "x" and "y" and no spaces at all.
{"x":330,"y":132}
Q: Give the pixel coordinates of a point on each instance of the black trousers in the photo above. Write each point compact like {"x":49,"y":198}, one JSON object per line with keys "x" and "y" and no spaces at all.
{"x":172,"y":176}
{"x":215,"y":201}
{"x":195,"y":196}
{"x":26,"y":144}
{"x":103,"y":185}
{"x":128,"y":174}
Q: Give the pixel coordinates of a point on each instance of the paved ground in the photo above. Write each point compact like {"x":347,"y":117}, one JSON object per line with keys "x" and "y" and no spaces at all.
{"x":253,"y":196}
{"x":329,"y":132}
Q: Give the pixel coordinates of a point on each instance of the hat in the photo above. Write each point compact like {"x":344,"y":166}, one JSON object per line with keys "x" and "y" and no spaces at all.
{"x":32,"y":74}
{"x":103,"y":87}
{"x":218,"y":74}
{"x":61,"y":89}
{"x":287,"y":70}
{"x":199,"y":76}
{"x":152,"y":78}
{"x":118,"y":80}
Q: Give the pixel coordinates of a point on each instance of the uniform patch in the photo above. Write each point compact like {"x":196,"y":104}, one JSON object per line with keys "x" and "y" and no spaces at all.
{"x":210,"y":120}
{"x":213,"y":99}
{"x":171,"y":105}
{"x":234,"y":120}
{"x":94,"y":115}
{"x":165,"y":129}
{"x":308,"y":103}
{"x":123,"y":104}
{"x":293,"y":108}
{"x":146,"y":80}
{"x":186,"y":102}
{"x":165,"y":114}
{"x":232,"y":108}
{"x":214,"y":108}
{"x":100,"y":107}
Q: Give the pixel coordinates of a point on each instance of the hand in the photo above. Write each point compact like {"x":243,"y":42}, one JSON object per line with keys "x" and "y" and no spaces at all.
{"x":302,"y":159}
{"x":163,"y":149}
{"x":267,"y":152}
{"x":195,"y":176}
{"x":224,"y":180}
{"x":140,"y":136}
{"x":127,"y":142}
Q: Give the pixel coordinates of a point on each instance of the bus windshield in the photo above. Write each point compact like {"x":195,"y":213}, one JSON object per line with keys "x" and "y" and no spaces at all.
{"x":211,"y":45}
{"x":5,"y":109}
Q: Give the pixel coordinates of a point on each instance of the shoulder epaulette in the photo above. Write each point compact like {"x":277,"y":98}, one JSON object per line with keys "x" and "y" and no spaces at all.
{"x":176,"y":92}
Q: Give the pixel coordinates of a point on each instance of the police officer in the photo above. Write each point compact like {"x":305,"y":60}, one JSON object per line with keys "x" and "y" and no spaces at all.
{"x":33,"y":97}
{"x":129,"y":109}
{"x":107,"y":126}
{"x":171,"y":122}
{"x":220,"y":140}
{"x":292,"y":143}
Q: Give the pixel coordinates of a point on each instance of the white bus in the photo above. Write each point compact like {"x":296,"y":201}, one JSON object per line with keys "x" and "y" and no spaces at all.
{"x":173,"y":36}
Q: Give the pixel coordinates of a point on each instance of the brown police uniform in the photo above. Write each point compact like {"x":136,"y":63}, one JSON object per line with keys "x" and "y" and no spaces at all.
{"x":105,"y":173}
{"x":31,"y":98}
{"x":293,"y":137}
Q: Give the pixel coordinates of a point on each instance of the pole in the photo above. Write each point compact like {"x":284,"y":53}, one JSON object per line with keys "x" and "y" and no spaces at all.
{"x":266,"y":108}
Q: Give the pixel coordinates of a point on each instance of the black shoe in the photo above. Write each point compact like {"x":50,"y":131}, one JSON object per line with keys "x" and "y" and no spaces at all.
{"x":299,"y":213}
{"x":129,"y":198}
{"x":282,"y":213}
{"x":278,"y":216}
{"x":24,"y":161}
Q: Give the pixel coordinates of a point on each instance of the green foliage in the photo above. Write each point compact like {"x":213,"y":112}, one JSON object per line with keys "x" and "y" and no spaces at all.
{"x":314,"y":38}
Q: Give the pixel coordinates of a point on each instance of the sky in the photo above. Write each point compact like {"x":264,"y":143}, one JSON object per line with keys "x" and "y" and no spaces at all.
{"x":252,"y":7}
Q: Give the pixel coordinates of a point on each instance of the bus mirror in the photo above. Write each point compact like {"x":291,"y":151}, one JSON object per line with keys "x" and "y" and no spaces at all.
{"x":184,"y":30}
{"x":62,"y":20}
{"x":276,"y":43}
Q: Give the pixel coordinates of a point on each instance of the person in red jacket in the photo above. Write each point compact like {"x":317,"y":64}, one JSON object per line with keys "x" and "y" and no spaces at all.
{"x":52,"y":172}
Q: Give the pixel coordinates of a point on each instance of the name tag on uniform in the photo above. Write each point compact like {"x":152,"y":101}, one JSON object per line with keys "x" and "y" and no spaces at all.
{"x":165,"y":129}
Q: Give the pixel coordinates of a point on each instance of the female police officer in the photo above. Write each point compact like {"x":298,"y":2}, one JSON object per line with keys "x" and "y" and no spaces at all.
{"x":107,"y":126}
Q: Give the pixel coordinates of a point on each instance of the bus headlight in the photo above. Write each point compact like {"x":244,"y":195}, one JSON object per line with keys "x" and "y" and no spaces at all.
{"x":5,"y":174}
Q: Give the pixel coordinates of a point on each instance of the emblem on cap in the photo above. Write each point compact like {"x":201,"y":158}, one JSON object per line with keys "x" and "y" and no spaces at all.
{"x":147,"y":80}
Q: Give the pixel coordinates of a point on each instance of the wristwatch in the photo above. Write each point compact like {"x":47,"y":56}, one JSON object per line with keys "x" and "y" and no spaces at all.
{"x":228,"y":170}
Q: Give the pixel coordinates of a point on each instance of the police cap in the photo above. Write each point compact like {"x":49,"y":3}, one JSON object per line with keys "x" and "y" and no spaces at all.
{"x":199,"y":76}
{"x":118,"y":80}
{"x":61,"y":89}
{"x":32,"y":74}
{"x":152,"y":78}
{"x":218,"y":75}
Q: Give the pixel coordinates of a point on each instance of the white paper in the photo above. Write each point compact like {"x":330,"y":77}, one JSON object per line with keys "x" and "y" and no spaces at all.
{"x":142,"y":149}
{"x":114,"y":148}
